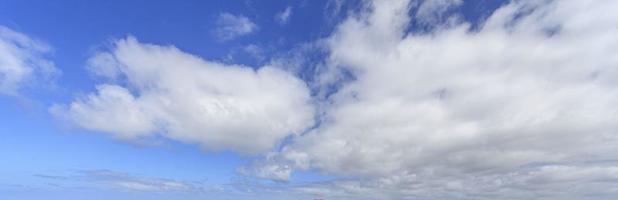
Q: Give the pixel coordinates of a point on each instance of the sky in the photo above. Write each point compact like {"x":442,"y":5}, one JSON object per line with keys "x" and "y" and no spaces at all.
{"x":308,"y":99}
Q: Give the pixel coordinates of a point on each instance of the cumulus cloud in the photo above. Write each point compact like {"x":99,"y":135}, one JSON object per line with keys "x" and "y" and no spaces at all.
{"x":182,"y":97}
{"x":22,"y":61}
{"x":523,"y":106}
{"x":232,"y":26}
{"x":456,"y":113}
{"x":284,"y":16}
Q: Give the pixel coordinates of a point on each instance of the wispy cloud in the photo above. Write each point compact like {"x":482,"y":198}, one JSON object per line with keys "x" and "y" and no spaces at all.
{"x":255,"y":51}
{"x":126,"y":181}
{"x":23,"y":61}
{"x":118,"y":182}
{"x":284,"y":16}
{"x":232,"y":26}
{"x":107,"y":179}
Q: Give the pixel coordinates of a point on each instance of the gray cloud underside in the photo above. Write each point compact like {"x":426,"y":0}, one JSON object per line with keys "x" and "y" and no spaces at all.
{"x":518,"y":109}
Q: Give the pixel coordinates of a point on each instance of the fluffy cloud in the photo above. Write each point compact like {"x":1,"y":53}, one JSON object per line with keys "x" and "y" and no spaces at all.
{"x":455,"y":112}
{"x":523,"y":106}
{"x":179,"y":96}
{"x":22,"y":61}
{"x":232,"y":26}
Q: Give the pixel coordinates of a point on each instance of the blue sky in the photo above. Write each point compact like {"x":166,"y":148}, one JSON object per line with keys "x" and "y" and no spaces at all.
{"x":76,"y":29}
{"x":328,"y":99}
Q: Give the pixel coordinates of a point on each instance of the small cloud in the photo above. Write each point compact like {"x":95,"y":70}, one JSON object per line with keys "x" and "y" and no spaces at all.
{"x":107,"y":179}
{"x":232,"y":26}
{"x":271,"y":168}
{"x":23,"y":61}
{"x":52,"y":177}
{"x":284,"y":16}
{"x":433,"y":12}
{"x":255,"y":52}
{"x":274,"y":172}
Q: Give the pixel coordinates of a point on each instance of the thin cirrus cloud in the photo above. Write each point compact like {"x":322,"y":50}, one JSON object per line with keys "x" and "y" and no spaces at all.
{"x":231,"y":26}
{"x":23,"y":61}
{"x":284,"y":16}
{"x":183,"y":97}
{"x":433,"y":12}
{"x":126,"y":181}
{"x":122,"y":181}
{"x":525,"y":105}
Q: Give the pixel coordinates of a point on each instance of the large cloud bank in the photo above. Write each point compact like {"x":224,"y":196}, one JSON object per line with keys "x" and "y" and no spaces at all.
{"x":523,"y":106}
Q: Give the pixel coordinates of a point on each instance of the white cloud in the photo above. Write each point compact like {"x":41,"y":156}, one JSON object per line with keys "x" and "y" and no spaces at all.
{"x":524,"y":107}
{"x":433,"y":12}
{"x":255,"y":51}
{"x":450,"y":113}
{"x":543,"y":182}
{"x":22,"y":61}
{"x":182,"y":97}
{"x":232,"y":26}
{"x":268,"y":169}
{"x":284,"y":16}
{"x":122,"y":181}
{"x":125,"y":181}
{"x":113,"y":109}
